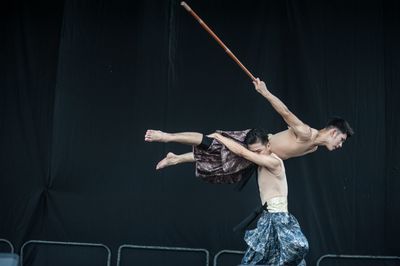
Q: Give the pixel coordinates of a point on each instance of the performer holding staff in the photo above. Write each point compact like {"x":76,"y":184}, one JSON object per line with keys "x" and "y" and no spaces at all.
{"x":232,"y":157}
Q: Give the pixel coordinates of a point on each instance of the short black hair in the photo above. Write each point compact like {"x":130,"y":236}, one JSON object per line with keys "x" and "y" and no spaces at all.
{"x":256,"y":135}
{"x":340,"y":124}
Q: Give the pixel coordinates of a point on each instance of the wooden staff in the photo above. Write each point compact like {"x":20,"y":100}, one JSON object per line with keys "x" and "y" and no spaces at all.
{"x":204,"y":25}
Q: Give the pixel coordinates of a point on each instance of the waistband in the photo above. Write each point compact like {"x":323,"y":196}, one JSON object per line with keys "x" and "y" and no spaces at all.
{"x":273,"y":205}
{"x":277,"y":204}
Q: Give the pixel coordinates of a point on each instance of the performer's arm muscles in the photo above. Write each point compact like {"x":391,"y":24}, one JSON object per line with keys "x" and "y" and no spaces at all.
{"x":260,"y":159}
{"x":301,"y":130}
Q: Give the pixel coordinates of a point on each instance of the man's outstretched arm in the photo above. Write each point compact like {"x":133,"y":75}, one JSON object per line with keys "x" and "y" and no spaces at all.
{"x":302,"y":131}
{"x":259,"y":159}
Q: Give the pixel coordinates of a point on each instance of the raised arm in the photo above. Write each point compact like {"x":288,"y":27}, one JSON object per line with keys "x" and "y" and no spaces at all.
{"x":263,"y":160}
{"x":302,"y":131}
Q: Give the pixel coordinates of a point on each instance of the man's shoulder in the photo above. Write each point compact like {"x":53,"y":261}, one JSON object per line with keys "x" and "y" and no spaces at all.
{"x":276,"y":162}
{"x":275,"y":157}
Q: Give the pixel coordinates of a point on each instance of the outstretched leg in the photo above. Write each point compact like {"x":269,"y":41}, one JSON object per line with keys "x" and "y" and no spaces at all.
{"x":173,"y":159}
{"x":189,"y":138}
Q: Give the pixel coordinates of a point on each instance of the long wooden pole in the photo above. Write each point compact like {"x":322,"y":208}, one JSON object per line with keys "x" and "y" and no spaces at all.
{"x":204,"y":25}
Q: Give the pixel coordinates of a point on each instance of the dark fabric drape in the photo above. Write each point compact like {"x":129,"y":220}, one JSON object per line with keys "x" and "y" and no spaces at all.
{"x":81,"y":81}
{"x":30,"y":37}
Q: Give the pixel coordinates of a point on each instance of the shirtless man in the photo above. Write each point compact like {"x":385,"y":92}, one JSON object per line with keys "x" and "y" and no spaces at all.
{"x":277,"y":239}
{"x":299,"y":139}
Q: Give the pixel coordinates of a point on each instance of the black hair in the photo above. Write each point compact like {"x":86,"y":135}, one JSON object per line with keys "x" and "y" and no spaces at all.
{"x":340,"y":124}
{"x":256,"y":135}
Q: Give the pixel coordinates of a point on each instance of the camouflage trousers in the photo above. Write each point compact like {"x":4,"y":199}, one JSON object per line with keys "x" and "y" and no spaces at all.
{"x":276,"y":241}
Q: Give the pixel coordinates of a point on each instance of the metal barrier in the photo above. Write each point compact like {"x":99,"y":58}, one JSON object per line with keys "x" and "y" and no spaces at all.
{"x":226,"y":251}
{"x":180,"y":249}
{"x":42,"y":242}
{"x":10,"y":259}
{"x":337,"y":256}
{"x":8,"y":243}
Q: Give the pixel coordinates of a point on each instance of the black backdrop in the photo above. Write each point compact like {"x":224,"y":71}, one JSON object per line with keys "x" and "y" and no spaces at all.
{"x":81,"y":81}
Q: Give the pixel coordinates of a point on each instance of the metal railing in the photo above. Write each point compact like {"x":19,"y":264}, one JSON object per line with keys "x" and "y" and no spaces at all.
{"x":42,"y":242}
{"x":162,"y":248}
{"x":361,"y":257}
{"x":8,"y":243}
{"x":226,"y":251}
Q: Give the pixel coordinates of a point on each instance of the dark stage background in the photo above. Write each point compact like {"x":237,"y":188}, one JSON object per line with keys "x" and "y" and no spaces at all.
{"x":81,"y":81}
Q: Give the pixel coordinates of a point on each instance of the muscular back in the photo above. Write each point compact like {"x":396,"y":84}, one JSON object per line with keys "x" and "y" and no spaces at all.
{"x":286,"y":145}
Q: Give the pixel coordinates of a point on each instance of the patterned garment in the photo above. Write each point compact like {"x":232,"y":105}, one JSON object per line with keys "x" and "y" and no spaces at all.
{"x":276,"y":241}
{"x":217,"y":164}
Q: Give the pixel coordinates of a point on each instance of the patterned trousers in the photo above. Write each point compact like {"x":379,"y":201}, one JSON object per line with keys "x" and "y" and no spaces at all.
{"x":276,"y":241}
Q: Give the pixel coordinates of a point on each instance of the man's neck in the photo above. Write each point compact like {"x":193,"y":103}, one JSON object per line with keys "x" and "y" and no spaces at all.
{"x":322,"y":137}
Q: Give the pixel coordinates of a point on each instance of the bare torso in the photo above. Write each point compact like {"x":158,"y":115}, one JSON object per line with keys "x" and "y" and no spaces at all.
{"x":272,"y":184}
{"x":285,"y":144}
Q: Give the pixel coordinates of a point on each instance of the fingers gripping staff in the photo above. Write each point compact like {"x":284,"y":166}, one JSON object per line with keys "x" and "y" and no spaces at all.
{"x":204,"y":25}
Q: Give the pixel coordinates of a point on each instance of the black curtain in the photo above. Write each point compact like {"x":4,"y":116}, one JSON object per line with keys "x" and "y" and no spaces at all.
{"x":81,"y":81}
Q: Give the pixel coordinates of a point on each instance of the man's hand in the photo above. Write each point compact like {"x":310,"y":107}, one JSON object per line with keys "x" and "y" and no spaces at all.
{"x":260,"y":86}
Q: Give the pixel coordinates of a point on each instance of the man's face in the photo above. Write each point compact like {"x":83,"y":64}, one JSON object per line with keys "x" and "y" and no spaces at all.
{"x":336,"y":139}
{"x":258,"y":147}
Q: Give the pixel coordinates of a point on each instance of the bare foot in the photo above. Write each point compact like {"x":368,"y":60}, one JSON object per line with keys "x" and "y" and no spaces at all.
{"x":155,"y":136}
{"x":170,"y":159}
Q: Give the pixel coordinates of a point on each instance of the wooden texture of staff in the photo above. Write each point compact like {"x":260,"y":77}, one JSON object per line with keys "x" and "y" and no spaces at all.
{"x":204,"y":25}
